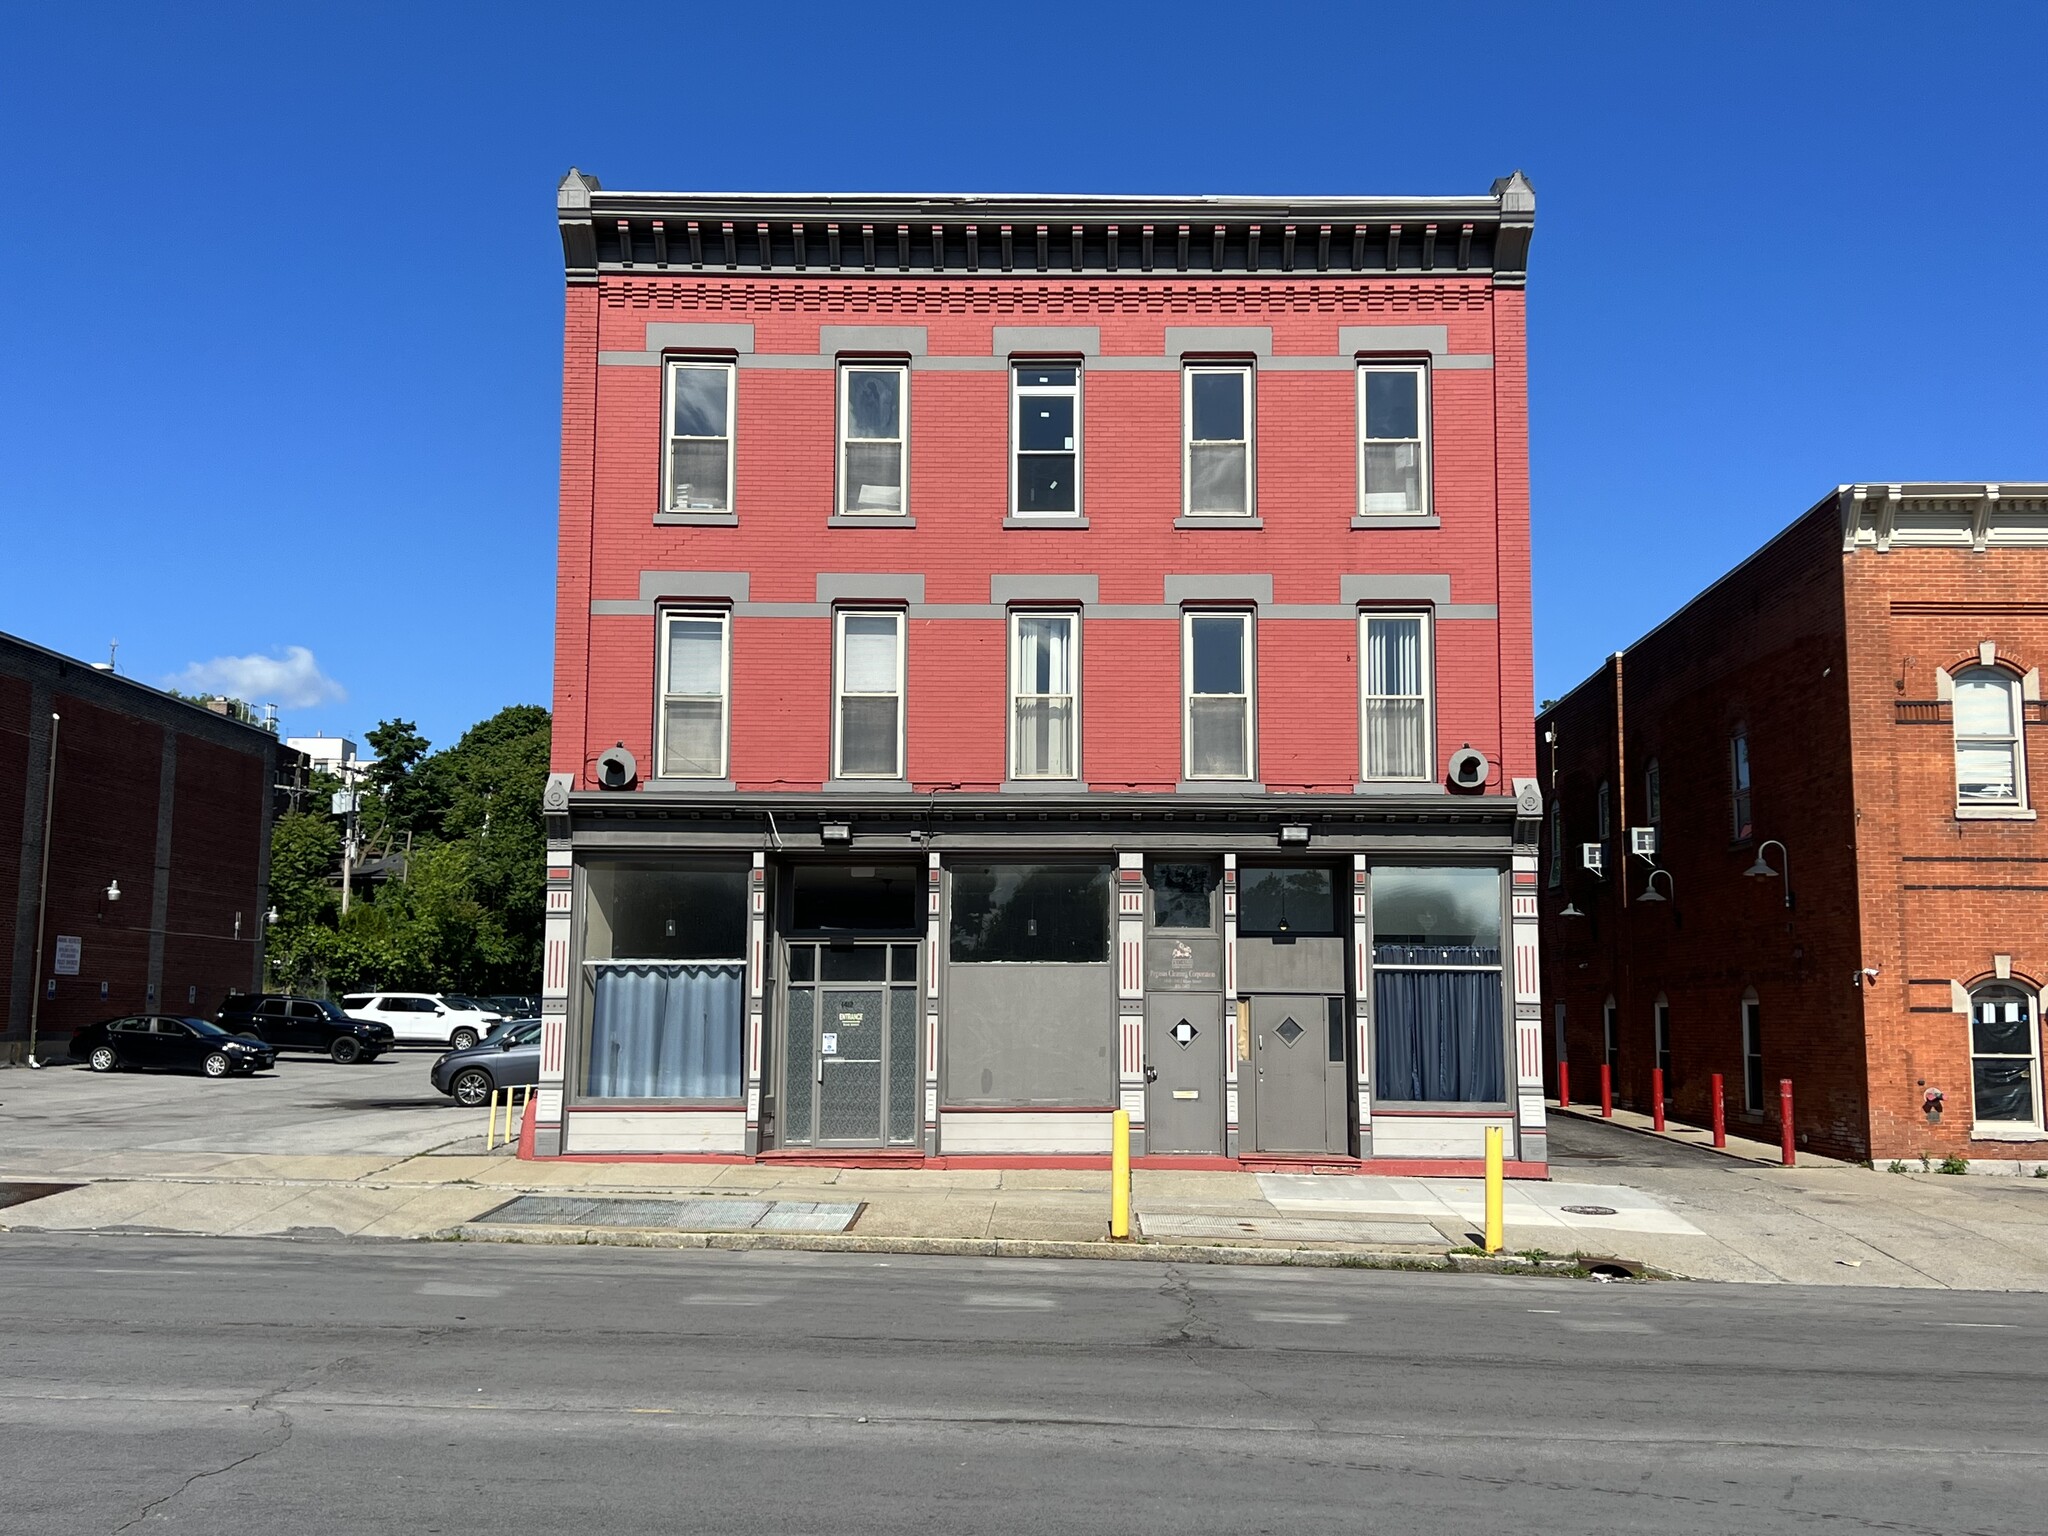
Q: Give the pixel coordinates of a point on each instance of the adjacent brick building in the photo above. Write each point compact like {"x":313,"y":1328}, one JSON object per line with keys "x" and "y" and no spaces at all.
{"x":1829,"y":753}
{"x":164,"y":801}
{"x":1019,"y":657}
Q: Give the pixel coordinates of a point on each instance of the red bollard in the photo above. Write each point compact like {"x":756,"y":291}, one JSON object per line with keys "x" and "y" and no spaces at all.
{"x":1564,"y":1085}
{"x":1656,"y":1098}
{"x":1720,"y":1113}
{"x":1606,"y":1091}
{"x":1785,"y":1121}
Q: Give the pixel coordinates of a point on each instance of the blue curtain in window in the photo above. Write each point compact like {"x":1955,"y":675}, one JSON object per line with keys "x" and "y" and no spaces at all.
{"x":666,"y":1031}
{"x":1439,"y":1034}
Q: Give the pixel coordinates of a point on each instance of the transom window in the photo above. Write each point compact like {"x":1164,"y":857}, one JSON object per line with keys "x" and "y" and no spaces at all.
{"x":2005,"y":1048}
{"x":1394,"y":650}
{"x":1045,"y":426}
{"x":868,"y":714}
{"x":693,"y":688}
{"x":1216,"y":653}
{"x":1217,"y":466}
{"x":697,"y":468}
{"x":1045,"y":718}
{"x":872,"y":397}
{"x":1990,"y":751}
{"x":1393,"y":428}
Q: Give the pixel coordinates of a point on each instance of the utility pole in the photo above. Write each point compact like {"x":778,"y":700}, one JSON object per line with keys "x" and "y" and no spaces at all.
{"x":35,"y":996}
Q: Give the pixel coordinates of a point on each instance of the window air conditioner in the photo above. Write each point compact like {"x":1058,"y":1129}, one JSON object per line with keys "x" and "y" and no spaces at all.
{"x":1643,"y":840}
{"x":1594,"y":857}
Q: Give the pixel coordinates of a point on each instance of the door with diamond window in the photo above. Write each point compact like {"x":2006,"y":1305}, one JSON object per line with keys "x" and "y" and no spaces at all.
{"x":1184,"y":1073}
{"x":1297,"y":1064}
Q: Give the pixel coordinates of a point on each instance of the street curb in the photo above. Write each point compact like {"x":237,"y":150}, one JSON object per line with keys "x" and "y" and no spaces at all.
{"x":1011,"y":1248}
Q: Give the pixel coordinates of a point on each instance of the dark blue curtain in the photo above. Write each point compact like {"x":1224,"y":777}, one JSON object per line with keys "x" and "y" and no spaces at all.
{"x":1439,"y":1035}
{"x":666,"y":1031}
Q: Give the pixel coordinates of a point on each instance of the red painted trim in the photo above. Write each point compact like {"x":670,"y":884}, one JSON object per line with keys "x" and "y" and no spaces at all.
{"x":727,"y":1158}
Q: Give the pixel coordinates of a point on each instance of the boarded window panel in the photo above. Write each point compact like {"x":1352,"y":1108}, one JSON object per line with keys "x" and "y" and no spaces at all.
{"x":1030,"y":1036}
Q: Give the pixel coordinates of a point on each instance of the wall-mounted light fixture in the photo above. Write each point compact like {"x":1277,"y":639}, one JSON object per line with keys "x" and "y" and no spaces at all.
{"x":1761,"y":869}
{"x":1650,"y":892}
{"x":835,"y":832}
{"x":1294,"y":832}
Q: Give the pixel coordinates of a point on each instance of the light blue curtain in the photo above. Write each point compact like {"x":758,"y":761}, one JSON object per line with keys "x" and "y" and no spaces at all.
{"x":1439,"y":1035}
{"x":666,"y":1031}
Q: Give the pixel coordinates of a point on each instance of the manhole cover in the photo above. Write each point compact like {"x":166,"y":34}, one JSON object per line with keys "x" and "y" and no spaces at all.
{"x":1290,"y":1031}
{"x":1590,"y":1210}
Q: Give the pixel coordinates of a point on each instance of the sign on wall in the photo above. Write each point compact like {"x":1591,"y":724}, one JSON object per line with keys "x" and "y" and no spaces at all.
{"x":1183,"y":965}
{"x":69,"y":950}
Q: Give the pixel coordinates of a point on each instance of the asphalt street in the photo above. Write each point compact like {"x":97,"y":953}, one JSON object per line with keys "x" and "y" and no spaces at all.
{"x":236,"y":1387}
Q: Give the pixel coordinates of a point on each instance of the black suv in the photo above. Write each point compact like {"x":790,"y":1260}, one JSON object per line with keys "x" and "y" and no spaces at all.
{"x":303,"y":1024}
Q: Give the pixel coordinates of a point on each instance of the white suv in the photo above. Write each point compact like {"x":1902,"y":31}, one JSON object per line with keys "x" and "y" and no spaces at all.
{"x":424,"y":1018}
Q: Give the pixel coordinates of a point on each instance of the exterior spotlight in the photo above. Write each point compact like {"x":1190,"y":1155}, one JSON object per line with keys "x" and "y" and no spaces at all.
{"x":835,"y":832}
{"x":113,"y":890}
{"x":1294,"y":832}
{"x":270,"y":917}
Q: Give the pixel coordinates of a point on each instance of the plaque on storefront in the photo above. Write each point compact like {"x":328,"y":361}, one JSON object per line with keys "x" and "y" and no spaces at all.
{"x":1183,"y":965}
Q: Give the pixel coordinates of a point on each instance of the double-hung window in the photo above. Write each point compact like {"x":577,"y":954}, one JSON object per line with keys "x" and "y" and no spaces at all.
{"x":2005,"y":1084}
{"x":867,"y":734}
{"x":1216,"y":657}
{"x":694,"y":674}
{"x":872,"y":439}
{"x":1216,"y":468}
{"x":1394,"y":649}
{"x":1653,"y":793}
{"x":1045,"y":715}
{"x":1393,"y":429}
{"x":1990,"y":757}
{"x":1045,"y":429}
{"x":1741,"y":826}
{"x":697,"y":466}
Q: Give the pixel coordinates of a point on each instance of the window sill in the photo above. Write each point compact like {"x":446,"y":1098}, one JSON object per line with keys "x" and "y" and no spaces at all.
{"x":1994,"y":813}
{"x":697,"y":519}
{"x":1043,"y":787}
{"x":859,"y":520}
{"x":2007,"y":1132}
{"x":867,"y":787}
{"x":1219,"y":521}
{"x":659,"y":786}
{"x":1398,"y":787}
{"x":1045,"y":522}
{"x":1219,"y":787}
{"x":1398,"y":520}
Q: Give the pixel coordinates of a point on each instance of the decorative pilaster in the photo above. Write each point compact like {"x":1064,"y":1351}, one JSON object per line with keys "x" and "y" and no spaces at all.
{"x":1130,"y":992}
{"x":1529,"y":1118}
{"x":1361,"y":995}
{"x":757,"y":968}
{"x":554,"y":1001}
{"x":1234,"y":1042}
{"x":934,"y":907}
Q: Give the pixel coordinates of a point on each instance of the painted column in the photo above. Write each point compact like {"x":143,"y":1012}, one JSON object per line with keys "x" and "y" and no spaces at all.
{"x":1130,"y":993}
{"x":1361,"y":995}
{"x":1529,"y":1118}
{"x":1234,"y":1044}
{"x":934,"y":910}
{"x":757,"y":944}
{"x":554,"y":1002}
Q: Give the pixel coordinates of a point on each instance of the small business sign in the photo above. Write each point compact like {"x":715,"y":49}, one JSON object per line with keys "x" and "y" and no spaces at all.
{"x":1183,"y":965}
{"x":70,"y":948}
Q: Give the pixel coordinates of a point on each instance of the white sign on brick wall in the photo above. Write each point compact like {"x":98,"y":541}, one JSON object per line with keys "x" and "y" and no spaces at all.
{"x":69,"y":949}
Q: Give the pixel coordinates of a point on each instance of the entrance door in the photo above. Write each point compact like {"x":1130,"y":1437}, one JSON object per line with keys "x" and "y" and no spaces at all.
{"x":1184,"y":1073}
{"x":1293,"y":1046}
{"x":850,"y":1080}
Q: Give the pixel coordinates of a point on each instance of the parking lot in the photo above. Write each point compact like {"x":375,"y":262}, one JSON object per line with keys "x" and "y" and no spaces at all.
{"x":308,"y":1105}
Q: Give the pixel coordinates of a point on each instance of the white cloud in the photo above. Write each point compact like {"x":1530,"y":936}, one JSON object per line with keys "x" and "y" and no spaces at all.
{"x":290,"y":681}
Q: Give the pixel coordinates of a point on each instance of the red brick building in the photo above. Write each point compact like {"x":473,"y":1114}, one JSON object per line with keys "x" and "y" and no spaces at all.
{"x":1020,"y":657}
{"x":1825,"y":758}
{"x":162,"y":801}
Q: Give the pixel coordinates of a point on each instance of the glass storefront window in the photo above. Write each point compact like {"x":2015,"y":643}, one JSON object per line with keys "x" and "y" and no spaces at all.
{"x":856,"y":898}
{"x":1294,"y":902}
{"x":646,"y":911}
{"x":1439,"y":1024}
{"x":1031,"y":912}
{"x":1183,"y":895}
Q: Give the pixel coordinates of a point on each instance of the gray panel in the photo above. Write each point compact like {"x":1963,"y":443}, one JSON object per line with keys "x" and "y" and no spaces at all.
{"x":834,"y":339}
{"x":730,"y":586}
{"x":1256,"y":339}
{"x":799,"y":1066}
{"x":1395,"y":589}
{"x":1184,"y":1088}
{"x":1433,"y":339}
{"x":870,"y":586}
{"x":1085,"y":339}
{"x":1220,"y":589}
{"x":1308,"y":964}
{"x":1044,"y":589}
{"x":665,"y":334}
{"x":1030,"y":1035}
{"x":1466,"y":360}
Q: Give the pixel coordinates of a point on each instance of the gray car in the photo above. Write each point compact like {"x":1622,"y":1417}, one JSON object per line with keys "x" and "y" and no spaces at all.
{"x":510,"y":1058}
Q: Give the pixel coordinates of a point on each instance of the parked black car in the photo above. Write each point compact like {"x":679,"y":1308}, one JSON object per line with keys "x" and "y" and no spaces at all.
{"x":169,"y":1040}
{"x":514,"y":1005}
{"x":303,"y":1024}
{"x":509,"y":1058}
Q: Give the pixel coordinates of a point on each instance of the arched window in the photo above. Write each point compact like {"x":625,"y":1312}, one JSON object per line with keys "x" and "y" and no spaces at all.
{"x":1653,"y":793}
{"x":1991,"y":764}
{"x":2005,"y":1057}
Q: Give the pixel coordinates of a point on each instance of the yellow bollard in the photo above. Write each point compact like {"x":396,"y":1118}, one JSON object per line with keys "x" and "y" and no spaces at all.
{"x":1495,"y":1191}
{"x":1120,"y":1174}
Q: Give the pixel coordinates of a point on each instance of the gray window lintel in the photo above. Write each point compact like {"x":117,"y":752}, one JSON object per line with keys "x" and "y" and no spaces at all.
{"x":899,"y":340}
{"x":671,"y":336}
{"x":722,"y":586}
{"x":1049,"y":339}
{"x":1085,"y":590}
{"x":1435,"y":590}
{"x":870,"y":587}
{"x":1257,"y":589}
{"x":1236,"y":340}
{"x":1433,"y":339}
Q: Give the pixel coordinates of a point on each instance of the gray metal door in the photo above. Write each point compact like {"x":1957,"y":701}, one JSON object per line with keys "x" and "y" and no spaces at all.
{"x":851,"y":1025}
{"x":1184,"y":1073}
{"x":1290,"y":1060}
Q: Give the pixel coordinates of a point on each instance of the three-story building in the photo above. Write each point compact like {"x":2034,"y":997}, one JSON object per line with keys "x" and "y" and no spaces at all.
{"x":1019,"y":657}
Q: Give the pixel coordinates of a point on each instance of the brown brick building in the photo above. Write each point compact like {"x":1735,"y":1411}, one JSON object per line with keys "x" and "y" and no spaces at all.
{"x":163,"y":800}
{"x":1829,"y":753}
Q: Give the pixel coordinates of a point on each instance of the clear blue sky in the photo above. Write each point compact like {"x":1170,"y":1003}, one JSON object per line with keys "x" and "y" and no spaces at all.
{"x":280,"y":365}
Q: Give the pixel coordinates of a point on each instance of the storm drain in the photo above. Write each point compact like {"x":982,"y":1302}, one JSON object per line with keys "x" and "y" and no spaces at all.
{"x":21,"y":1194}
{"x":676,"y":1215}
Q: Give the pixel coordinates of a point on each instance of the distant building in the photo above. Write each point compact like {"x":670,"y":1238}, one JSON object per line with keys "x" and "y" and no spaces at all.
{"x":1023,"y":657}
{"x":159,"y":848}
{"x":333,"y":755}
{"x":1828,"y":758}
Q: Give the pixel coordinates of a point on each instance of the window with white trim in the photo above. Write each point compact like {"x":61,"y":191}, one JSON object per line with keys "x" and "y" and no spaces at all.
{"x":1393,"y":430}
{"x":1216,"y":450}
{"x":1217,"y":673}
{"x":695,"y":674}
{"x":2005,"y":1054}
{"x":697,"y":461}
{"x":874,"y":401}
{"x":867,"y":714}
{"x":1394,"y":706}
{"x":1045,"y":695}
{"x":1741,"y":827}
{"x":1990,"y":748}
{"x":1045,"y":437}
